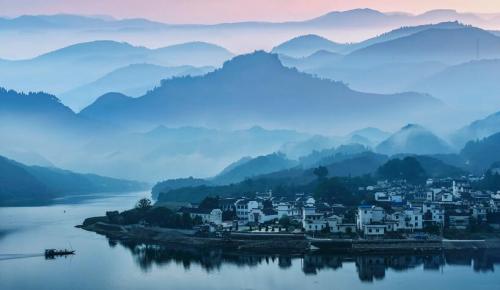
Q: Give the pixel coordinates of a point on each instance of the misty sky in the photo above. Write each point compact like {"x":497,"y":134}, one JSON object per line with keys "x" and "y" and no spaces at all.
{"x":215,"y":11}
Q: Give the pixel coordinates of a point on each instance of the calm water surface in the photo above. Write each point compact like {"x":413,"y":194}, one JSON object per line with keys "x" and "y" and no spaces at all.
{"x":102,"y":264}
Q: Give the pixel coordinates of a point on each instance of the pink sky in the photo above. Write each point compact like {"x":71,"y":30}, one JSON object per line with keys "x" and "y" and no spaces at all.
{"x":216,"y":11}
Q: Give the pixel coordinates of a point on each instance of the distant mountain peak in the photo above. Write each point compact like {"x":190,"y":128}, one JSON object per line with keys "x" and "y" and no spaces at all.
{"x":257,"y":59}
{"x":305,"y":45}
{"x":412,"y":127}
{"x":440,"y":12}
{"x":357,"y":11}
{"x":107,"y":100}
{"x":196,"y":45}
{"x":413,"y":139}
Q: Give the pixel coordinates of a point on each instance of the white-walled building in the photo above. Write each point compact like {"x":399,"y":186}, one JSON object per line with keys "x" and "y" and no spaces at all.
{"x":259,"y":216}
{"x":409,"y":219}
{"x":435,"y":212}
{"x":311,"y":220}
{"x":207,"y":216}
{"x":244,"y":207}
{"x":286,"y":208}
{"x":369,"y":214}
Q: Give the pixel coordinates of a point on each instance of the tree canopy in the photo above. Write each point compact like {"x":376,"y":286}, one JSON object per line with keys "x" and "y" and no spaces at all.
{"x":408,"y":169}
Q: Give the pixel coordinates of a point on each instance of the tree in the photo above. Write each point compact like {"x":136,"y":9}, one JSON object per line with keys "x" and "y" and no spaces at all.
{"x":321,"y":172}
{"x":229,"y":215}
{"x":284,"y":221}
{"x":333,"y":190}
{"x":408,"y":169}
{"x":491,"y":181}
{"x":267,"y":204}
{"x":209,"y":203}
{"x":143,"y":204}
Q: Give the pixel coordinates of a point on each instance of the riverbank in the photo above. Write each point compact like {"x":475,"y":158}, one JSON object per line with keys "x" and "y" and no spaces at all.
{"x":265,"y":244}
{"x":277,"y":243}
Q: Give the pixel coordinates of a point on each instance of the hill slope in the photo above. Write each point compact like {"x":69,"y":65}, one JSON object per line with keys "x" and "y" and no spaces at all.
{"x":468,"y":85}
{"x":477,"y":130}
{"x":451,"y":46}
{"x":306,"y":45}
{"x":481,"y":154}
{"x":251,"y":168}
{"x":413,"y":139}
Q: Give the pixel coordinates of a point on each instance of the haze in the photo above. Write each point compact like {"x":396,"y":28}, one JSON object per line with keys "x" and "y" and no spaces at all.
{"x":217,"y":11}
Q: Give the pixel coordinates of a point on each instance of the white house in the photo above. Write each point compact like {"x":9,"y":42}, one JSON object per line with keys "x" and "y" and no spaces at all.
{"x":312,"y":221}
{"x":286,"y":208}
{"x":435,"y":211}
{"x":259,"y":216}
{"x":368,"y":214}
{"x":207,"y":216}
{"x":374,"y":230}
{"x":446,"y":197}
{"x":244,"y":207}
{"x":408,"y":219}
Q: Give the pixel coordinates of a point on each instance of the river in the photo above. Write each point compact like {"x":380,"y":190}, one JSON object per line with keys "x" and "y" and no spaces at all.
{"x":102,"y":264}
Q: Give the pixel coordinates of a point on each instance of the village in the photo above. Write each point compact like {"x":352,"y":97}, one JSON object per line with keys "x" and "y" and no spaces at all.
{"x":442,"y":208}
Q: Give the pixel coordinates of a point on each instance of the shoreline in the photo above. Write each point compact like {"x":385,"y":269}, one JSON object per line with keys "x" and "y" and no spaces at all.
{"x":263,"y":243}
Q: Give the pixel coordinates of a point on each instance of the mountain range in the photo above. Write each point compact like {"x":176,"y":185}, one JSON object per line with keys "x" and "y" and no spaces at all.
{"x":37,"y":128}
{"x":229,"y":96}
{"x":28,"y":185}
{"x":73,"y":66}
{"x":450,"y":46}
{"x":132,"y":80}
{"x":349,"y":18}
{"x":53,"y":31}
{"x":453,"y":62}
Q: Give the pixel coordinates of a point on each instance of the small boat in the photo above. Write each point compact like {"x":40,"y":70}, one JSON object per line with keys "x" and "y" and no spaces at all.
{"x":51,"y":253}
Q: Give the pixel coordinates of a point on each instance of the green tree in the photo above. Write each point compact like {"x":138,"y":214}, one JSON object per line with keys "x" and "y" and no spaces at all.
{"x":209,"y":203}
{"x":143,"y":204}
{"x":333,"y":190}
{"x":285,"y":221}
{"x":408,"y":169}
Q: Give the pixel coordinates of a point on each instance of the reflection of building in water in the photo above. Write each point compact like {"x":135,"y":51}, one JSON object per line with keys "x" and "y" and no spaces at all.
{"x":454,"y":258}
{"x":370,"y":268}
{"x":313,"y":263}
{"x":284,"y":262}
{"x":433,"y":262}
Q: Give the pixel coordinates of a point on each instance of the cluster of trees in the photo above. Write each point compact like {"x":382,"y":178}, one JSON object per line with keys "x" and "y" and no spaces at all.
{"x":491,"y":181}
{"x":407,"y":168}
{"x":156,"y":216}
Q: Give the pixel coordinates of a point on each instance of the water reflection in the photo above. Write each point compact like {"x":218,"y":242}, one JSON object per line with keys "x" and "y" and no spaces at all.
{"x":369,"y":267}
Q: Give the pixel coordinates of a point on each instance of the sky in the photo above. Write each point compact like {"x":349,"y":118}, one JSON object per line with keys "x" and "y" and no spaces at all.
{"x":217,"y":11}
